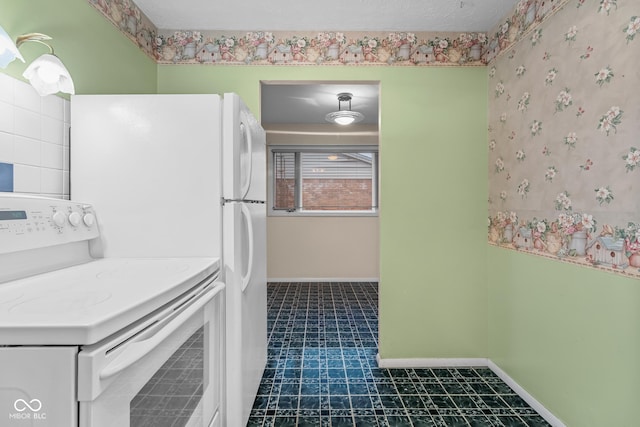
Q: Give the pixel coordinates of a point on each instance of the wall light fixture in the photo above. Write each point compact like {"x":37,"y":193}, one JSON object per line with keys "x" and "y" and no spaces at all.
{"x":47,"y":74}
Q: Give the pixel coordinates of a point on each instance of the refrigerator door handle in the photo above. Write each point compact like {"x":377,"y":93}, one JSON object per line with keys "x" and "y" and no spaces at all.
{"x":248,"y":139}
{"x":246,"y":278}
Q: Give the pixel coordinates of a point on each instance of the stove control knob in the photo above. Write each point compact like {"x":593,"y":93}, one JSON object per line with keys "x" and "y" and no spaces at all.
{"x":74,"y":219}
{"x":59,"y":218}
{"x":89,"y":219}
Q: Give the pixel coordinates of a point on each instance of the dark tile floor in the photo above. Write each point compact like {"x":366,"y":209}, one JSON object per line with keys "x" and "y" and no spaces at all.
{"x":322,"y":371}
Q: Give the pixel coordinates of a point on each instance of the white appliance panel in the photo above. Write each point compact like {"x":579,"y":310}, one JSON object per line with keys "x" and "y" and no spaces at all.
{"x":246,"y":311}
{"x":37,"y":386}
{"x":244,"y":146}
{"x":150,"y":164}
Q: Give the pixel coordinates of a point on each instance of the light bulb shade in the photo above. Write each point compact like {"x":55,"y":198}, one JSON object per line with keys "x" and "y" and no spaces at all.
{"x":8,"y":49}
{"x":48,"y":75}
{"x":344,"y":117}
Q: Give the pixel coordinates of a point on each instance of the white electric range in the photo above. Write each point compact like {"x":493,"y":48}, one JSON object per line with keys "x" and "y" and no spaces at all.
{"x":87,"y":341}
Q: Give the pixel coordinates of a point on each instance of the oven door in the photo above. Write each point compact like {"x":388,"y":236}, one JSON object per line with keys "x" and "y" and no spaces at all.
{"x":165,"y":372}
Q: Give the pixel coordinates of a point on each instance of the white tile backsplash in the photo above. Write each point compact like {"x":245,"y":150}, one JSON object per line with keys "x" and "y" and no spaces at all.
{"x":6,"y":117}
{"x":53,"y":106}
{"x":27,"y":179}
{"x":27,"y":123}
{"x":6,"y":147}
{"x":52,"y":130}
{"x":6,"y":88}
{"x":34,"y":138}
{"x":65,"y":158}
{"x":52,"y":156}
{"x":51,"y":182}
{"x":67,"y":111}
{"x":26,"y":97}
{"x":67,"y":134}
{"x":65,"y":183}
{"x":27,"y":151}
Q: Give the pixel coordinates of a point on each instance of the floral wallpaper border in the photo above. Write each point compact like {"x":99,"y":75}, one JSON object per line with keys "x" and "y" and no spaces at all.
{"x":187,"y":46}
{"x":131,"y":21}
{"x":563,"y":130}
{"x":572,"y":238}
{"x":328,"y":48}
{"x":523,"y":20}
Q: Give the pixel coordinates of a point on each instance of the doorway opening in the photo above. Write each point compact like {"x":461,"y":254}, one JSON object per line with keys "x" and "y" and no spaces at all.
{"x":323,"y":180}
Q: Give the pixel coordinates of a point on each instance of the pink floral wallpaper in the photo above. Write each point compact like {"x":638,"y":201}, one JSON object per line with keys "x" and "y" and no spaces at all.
{"x":564,"y":133}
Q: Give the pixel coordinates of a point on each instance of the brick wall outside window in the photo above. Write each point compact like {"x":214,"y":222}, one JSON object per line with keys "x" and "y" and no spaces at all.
{"x":285,"y":194}
{"x":326,"y":194}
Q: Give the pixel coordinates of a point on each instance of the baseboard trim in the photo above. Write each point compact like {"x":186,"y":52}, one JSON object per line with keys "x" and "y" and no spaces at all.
{"x":470,"y":362}
{"x":532,"y":401}
{"x":430,"y":363}
{"x":321,"y":279}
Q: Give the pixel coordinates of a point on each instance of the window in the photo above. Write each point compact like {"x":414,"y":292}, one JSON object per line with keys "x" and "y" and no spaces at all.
{"x":323,"y":180}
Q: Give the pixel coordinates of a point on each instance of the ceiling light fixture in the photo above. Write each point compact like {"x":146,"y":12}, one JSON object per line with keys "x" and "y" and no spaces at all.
{"x":344,"y":117}
{"x":47,"y":74}
{"x":8,"y":50}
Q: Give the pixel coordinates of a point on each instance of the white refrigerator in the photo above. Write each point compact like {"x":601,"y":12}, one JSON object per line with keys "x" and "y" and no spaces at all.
{"x":184,"y":176}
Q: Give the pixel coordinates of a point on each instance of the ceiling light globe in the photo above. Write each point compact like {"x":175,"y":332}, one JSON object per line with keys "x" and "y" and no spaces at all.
{"x":344,"y":117}
{"x":344,"y":120}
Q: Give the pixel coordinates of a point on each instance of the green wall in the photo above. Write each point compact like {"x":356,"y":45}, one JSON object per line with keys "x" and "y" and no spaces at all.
{"x":433,"y":292}
{"x":99,"y":57}
{"x":433,"y":287}
{"x":567,"y":334}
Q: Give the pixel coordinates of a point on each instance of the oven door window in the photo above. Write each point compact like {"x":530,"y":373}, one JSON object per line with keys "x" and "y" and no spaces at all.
{"x":173,"y":394}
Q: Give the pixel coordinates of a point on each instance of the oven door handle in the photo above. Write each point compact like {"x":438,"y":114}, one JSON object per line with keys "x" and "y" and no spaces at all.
{"x":137,"y":350}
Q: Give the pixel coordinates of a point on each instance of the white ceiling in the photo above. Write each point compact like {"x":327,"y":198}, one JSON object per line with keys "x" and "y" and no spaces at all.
{"x":326,"y":15}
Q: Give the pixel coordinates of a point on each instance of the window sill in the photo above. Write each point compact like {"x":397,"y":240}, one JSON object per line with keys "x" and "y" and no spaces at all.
{"x":282,"y":213}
